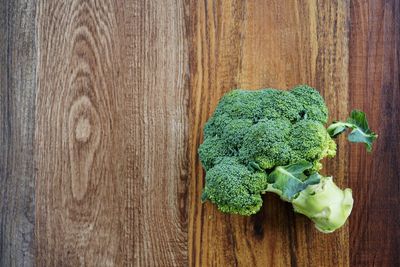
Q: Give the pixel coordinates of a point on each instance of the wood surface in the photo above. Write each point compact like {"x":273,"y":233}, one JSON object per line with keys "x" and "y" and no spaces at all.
{"x":17,"y":122}
{"x":102,"y":105}
{"x":374,"y":84}
{"x":110,"y":141}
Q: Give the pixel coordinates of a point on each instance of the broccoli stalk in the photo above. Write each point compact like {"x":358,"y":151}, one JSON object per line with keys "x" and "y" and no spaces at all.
{"x":315,"y":196}
{"x":325,"y":204}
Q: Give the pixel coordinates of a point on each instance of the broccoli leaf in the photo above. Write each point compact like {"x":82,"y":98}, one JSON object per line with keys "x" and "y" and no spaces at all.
{"x":291,"y":179}
{"x":361,"y":133}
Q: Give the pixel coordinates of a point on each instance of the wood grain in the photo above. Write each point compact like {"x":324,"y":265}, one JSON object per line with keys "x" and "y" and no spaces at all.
{"x":253,"y":45}
{"x":156,"y":73}
{"x":375,"y":88}
{"x":79,"y":136}
{"x":111,"y":121}
{"x":17,"y":108}
{"x":102,"y":105}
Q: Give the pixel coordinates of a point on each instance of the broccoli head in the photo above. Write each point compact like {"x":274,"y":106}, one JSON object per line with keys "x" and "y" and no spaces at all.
{"x":273,"y":141}
{"x":268,"y":128}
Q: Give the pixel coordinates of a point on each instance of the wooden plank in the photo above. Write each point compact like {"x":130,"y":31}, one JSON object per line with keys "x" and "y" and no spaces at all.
{"x":253,"y":45}
{"x":17,"y":99}
{"x":156,"y":75}
{"x":79,"y":136}
{"x":111,"y":121}
{"x":375,"y":88}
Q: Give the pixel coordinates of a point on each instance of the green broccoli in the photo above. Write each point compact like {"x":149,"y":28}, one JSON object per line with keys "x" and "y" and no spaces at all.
{"x":234,"y":188}
{"x":273,"y":141}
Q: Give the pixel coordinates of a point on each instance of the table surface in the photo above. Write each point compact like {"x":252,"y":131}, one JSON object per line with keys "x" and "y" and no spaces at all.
{"x":102,"y":105}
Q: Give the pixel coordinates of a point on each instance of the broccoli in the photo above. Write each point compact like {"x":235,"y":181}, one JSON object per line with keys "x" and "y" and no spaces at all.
{"x":234,"y":188}
{"x":271,"y":140}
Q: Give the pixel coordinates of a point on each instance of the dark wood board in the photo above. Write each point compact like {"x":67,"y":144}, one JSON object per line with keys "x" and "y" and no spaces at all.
{"x":374,"y":86}
{"x":17,"y":123}
{"x":102,"y":105}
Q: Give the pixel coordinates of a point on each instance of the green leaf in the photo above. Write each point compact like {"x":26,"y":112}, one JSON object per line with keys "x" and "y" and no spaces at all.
{"x":361,"y":133}
{"x":337,"y":128}
{"x":290,"y":179}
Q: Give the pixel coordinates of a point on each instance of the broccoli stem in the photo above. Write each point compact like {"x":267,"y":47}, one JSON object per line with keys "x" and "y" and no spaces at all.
{"x":324,"y":203}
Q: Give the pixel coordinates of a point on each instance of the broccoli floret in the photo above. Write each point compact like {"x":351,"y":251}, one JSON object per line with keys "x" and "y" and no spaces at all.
{"x":279,"y":104}
{"x":266,"y":144}
{"x":233,"y":188}
{"x":212,"y":149}
{"x":313,"y":146}
{"x":273,"y":140}
{"x":234,"y":132}
{"x":312,"y":102}
{"x":241,"y":104}
{"x":216,"y":124}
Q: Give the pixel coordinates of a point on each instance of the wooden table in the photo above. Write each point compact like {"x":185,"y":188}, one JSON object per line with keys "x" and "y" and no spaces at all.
{"x":102,"y":105}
